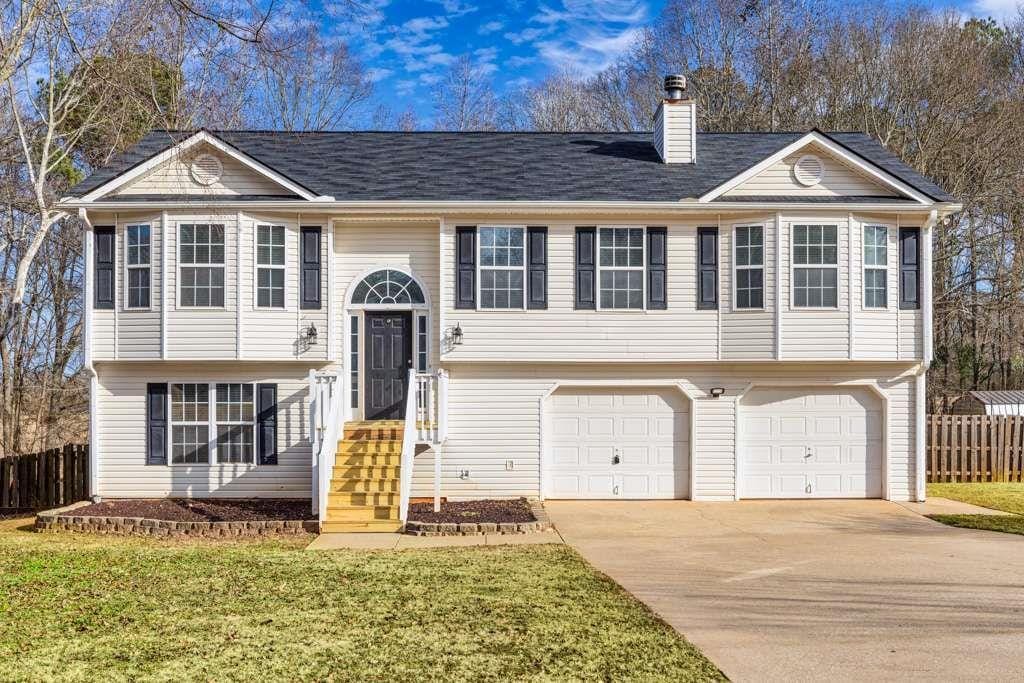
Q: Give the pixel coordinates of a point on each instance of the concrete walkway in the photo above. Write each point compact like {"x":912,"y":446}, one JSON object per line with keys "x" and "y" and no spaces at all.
{"x":405,"y":542}
{"x":945,"y":506}
{"x":816,"y":590}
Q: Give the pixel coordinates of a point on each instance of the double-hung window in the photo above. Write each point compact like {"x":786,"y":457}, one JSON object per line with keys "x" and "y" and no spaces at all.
{"x":620,"y":266}
{"x":138,"y":256}
{"x":270,"y":266}
{"x":749,"y":264}
{"x":190,"y":424}
{"x":201,"y":265}
{"x":876,"y":260}
{"x":502,"y":267}
{"x":236,"y":423}
{"x":815,"y":266}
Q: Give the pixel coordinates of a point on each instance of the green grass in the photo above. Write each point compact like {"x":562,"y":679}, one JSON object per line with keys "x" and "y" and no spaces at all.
{"x":1008,"y":524}
{"x":1005,"y":497}
{"x":83,"y":607}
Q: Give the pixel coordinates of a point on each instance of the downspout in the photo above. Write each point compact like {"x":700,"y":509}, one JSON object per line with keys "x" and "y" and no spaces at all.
{"x":87,"y":364}
{"x":921,"y":385}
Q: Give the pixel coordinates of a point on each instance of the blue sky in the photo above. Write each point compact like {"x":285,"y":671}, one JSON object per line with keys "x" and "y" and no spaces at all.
{"x":407,"y":45}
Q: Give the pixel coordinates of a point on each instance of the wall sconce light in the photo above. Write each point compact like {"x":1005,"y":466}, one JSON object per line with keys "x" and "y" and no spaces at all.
{"x":311,"y":334}
{"x":457,"y":335}
{"x":717,"y":391}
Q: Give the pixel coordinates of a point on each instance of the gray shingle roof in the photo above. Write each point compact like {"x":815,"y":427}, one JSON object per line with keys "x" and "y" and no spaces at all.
{"x":1006,"y":397}
{"x":382,"y":166}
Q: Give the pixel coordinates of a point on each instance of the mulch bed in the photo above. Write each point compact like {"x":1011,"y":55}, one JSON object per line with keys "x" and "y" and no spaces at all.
{"x":486,"y":511}
{"x":202,"y":510}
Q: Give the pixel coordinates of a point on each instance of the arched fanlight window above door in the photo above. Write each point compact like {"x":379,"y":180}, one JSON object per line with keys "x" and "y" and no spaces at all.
{"x":388,"y":286}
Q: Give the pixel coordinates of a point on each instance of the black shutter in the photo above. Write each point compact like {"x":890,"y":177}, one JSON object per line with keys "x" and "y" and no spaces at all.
{"x":657,"y":262}
{"x":537,"y":268}
{"x":910,"y":268}
{"x":156,"y":424}
{"x":266,"y":428}
{"x":310,"y":278}
{"x":465,"y":267}
{"x":586,"y":287}
{"x":103,"y":265}
{"x":707,"y":268}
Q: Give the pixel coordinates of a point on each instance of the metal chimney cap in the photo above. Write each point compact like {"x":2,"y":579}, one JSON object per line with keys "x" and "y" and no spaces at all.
{"x":675,"y":86}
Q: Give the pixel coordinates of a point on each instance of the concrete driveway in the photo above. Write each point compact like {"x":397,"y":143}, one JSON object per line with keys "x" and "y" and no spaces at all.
{"x":802,"y":590}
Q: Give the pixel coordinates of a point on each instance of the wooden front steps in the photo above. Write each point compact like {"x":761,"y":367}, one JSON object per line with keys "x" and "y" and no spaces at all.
{"x":365,"y":480}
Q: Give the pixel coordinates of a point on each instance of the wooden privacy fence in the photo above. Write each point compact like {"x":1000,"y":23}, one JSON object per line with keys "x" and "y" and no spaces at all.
{"x":975,"y":448}
{"x":56,"y":477}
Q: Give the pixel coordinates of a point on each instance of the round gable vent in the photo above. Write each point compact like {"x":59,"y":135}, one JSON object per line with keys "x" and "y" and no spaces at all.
{"x":206,"y":169}
{"x":808,"y":170}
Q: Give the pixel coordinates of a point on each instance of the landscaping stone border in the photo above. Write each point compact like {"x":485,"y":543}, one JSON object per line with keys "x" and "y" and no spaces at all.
{"x":542,"y":523}
{"x":63,"y":520}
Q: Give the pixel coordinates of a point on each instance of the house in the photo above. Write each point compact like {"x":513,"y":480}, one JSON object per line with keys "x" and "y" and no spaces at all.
{"x":990,"y":403}
{"x":357,"y":317}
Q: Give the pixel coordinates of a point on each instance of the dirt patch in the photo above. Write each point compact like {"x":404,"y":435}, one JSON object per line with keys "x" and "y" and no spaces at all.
{"x":14,"y":513}
{"x":486,"y":511}
{"x":206,"y":510}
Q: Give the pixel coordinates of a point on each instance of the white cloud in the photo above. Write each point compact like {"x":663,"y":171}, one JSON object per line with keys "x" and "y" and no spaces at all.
{"x":455,"y":8}
{"x":490,"y":27}
{"x":519,"y":61}
{"x":586,"y":35}
{"x":378,"y":74}
{"x":1001,"y":10}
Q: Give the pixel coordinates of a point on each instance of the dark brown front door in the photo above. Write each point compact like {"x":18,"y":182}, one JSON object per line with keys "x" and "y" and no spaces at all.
{"x":389,"y":357}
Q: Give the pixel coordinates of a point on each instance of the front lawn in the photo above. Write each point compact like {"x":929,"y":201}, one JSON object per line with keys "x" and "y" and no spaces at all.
{"x":1002,"y":496}
{"x":87,"y":607}
{"x":1008,"y":524}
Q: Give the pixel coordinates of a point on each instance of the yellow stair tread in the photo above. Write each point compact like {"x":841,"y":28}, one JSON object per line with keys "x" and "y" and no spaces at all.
{"x":375,"y":526}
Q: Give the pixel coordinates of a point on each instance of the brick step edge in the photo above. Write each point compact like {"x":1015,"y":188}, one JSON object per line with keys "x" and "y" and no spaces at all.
{"x":63,"y":520}
{"x":541,"y":524}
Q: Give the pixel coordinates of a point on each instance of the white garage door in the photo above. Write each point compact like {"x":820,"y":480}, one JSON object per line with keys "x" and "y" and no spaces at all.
{"x":618,"y":443}
{"x":811,"y":443}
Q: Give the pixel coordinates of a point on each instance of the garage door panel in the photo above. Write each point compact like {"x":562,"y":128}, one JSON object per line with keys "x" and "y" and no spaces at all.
{"x":646,"y":428}
{"x":822,"y":443}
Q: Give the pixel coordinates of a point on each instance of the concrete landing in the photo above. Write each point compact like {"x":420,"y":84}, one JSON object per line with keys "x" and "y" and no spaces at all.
{"x":370,"y":541}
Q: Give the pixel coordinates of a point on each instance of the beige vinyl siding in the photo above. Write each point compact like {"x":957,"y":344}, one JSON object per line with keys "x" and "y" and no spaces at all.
{"x":911,"y":342}
{"x":103,"y":333}
{"x":202,"y":333}
{"x":563,"y":333}
{"x":121,"y":426}
{"x":495,"y":417}
{"x":839,"y":179}
{"x":679,"y":131}
{"x":174,"y":178}
{"x":274,"y":333}
{"x":747,"y":333}
{"x":815,"y":333}
{"x":138,"y":330}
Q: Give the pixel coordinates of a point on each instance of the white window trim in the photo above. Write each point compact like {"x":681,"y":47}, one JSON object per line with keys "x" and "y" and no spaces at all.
{"x":865,"y":267}
{"x":211,"y":425}
{"x":178,"y":265}
{"x":253,"y":424}
{"x":256,"y":266}
{"x":480,"y":267}
{"x":793,"y":266}
{"x":642,"y":268}
{"x":736,"y":267}
{"x":130,"y":267}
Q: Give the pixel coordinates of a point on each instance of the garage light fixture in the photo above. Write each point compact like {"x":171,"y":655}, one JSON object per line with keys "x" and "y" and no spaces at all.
{"x":457,"y":335}
{"x":717,"y":391}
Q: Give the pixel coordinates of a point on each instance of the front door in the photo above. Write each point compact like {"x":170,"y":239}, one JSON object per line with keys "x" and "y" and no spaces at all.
{"x":389,"y":357}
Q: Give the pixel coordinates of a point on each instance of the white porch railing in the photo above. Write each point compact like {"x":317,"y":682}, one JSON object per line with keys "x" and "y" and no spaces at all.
{"x":426,"y":421}
{"x":326,"y":420}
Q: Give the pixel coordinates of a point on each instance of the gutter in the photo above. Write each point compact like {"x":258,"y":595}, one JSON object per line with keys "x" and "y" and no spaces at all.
{"x":87,"y":364}
{"x":921,"y":381}
{"x":511,"y":207}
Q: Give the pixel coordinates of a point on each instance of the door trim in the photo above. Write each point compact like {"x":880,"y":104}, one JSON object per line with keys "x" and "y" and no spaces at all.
{"x":407,"y":343}
{"x":871,"y":385}
{"x":543,"y":473}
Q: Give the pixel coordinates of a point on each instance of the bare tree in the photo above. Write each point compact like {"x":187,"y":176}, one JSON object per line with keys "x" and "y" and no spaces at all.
{"x":465,"y":99}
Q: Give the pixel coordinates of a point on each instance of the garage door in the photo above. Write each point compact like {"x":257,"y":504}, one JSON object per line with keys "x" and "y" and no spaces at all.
{"x":618,"y":443}
{"x":811,"y":443}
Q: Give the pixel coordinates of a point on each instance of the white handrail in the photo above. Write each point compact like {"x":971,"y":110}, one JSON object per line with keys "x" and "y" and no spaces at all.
{"x":409,"y":440}
{"x":326,"y":423}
